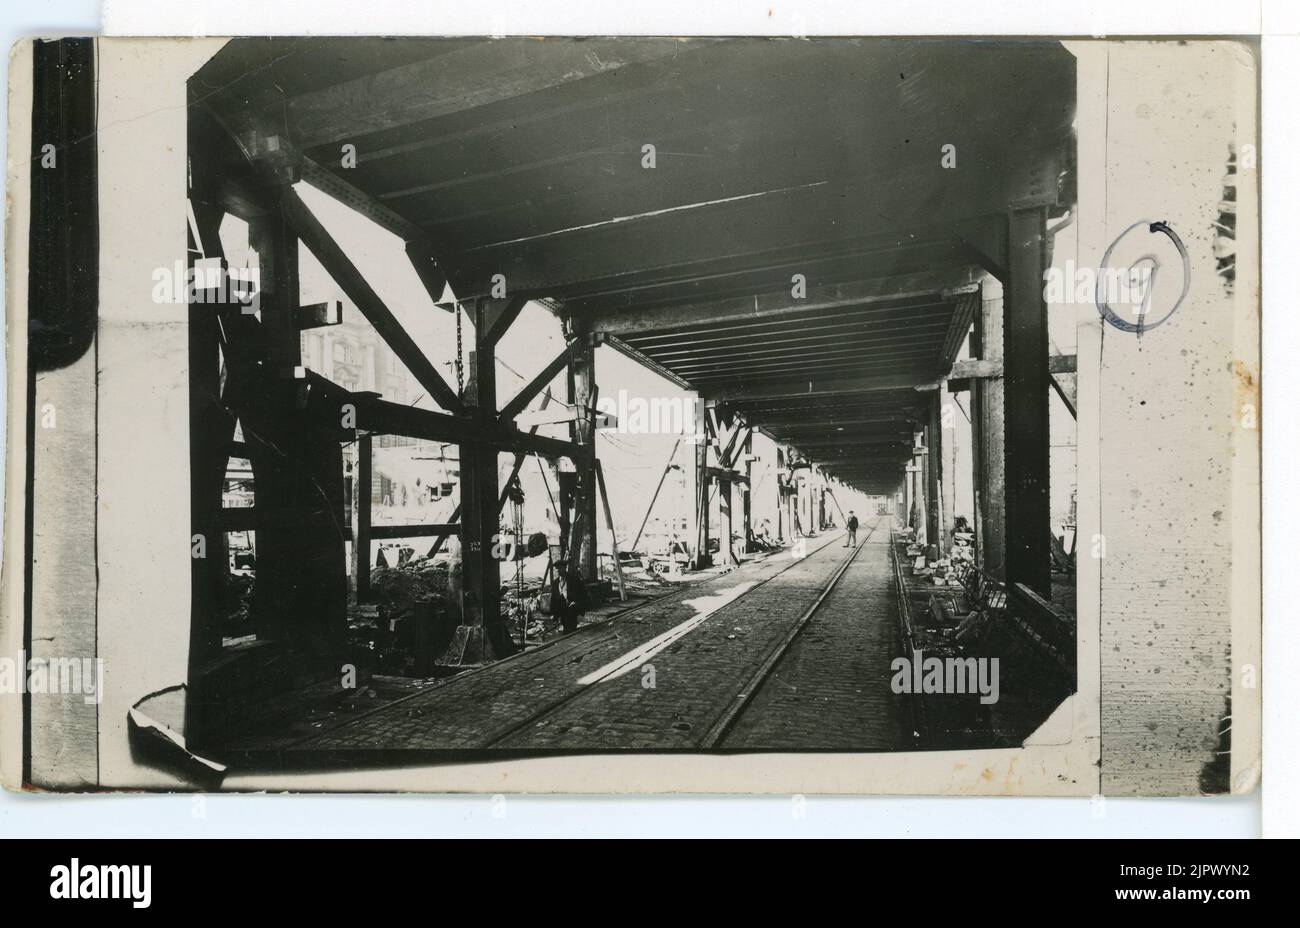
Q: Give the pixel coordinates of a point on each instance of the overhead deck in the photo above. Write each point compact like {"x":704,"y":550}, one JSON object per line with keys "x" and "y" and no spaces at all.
{"x":528,"y":159}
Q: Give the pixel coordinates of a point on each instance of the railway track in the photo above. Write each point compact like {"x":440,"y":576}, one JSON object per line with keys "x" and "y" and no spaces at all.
{"x":716,"y":736}
{"x":717,"y":731}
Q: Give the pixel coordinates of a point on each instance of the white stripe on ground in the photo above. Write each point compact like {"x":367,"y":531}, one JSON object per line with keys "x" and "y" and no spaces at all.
{"x":705,"y":606}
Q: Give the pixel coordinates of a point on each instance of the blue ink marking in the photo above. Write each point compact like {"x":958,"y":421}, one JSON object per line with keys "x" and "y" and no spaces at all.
{"x":1142,"y":325}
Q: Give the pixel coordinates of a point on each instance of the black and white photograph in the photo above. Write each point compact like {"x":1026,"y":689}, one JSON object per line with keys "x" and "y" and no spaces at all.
{"x":845,"y":414}
{"x":626,"y":395}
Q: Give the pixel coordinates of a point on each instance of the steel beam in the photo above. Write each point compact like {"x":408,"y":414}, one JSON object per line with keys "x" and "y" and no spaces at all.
{"x":702,"y":481}
{"x":581,"y":357}
{"x":1025,"y":373}
{"x":345,"y":274}
{"x":477,"y":75}
{"x":795,"y":333}
{"x":539,"y":383}
{"x":643,"y":359}
{"x":813,"y":386}
{"x":770,"y":306}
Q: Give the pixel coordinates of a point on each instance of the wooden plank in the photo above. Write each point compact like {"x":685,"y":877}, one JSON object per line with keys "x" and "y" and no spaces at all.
{"x":386,"y":418}
{"x":250,"y":518}
{"x":987,"y":416}
{"x":361,"y":534}
{"x":319,"y":315}
{"x":345,"y":273}
{"x":559,"y":415}
{"x":428,"y":530}
{"x":725,"y":474}
{"x":986,"y":369}
{"x":976,"y":369}
{"x":609,"y":523}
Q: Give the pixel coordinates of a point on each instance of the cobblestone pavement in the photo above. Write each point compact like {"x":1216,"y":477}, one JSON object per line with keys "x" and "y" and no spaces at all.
{"x":830,"y":690}
{"x":662,"y":702}
{"x":673,"y":699}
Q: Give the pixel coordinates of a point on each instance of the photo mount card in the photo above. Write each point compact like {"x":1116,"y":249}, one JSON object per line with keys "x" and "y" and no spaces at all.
{"x":641,"y":414}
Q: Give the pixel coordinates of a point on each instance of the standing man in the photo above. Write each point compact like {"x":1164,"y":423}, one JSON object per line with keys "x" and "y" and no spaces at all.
{"x":853,"y":530}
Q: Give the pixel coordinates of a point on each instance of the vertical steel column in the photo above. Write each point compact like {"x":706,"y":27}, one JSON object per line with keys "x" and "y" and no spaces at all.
{"x":701,"y":508}
{"x":480,"y":636}
{"x":1026,"y":381}
{"x":582,"y":394}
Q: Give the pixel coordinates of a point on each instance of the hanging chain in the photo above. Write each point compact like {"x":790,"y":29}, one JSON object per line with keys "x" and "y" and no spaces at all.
{"x":460,"y":357}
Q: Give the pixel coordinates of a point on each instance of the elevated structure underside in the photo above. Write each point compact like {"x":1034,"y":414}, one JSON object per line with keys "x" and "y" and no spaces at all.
{"x":806,"y":258}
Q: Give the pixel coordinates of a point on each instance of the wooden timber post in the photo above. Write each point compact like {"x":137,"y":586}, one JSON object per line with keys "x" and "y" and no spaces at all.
{"x":1027,"y":385}
{"x":212,"y":430}
{"x":948,"y":465}
{"x":362,"y":495}
{"x":933,"y":463}
{"x":300,"y":597}
{"x":987,"y":434}
{"x":481,"y":636}
{"x":726,"y":557}
{"x":747,"y":501}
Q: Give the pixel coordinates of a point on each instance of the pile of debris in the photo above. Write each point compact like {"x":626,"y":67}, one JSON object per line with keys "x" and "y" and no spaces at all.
{"x":927,"y":564}
{"x":397,"y":589}
{"x":407,"y":622}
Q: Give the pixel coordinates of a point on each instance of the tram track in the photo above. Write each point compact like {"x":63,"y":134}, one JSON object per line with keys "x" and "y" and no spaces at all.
{"x":717,"y":730}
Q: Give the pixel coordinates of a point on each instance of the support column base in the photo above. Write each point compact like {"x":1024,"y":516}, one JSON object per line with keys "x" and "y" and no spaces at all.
{"x":470,"y":646}
{"x":475,"y":645}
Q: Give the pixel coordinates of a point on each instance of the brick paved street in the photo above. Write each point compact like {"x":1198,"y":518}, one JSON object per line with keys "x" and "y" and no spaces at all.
{"x":831,"y":688}
{"x":663,"y":674}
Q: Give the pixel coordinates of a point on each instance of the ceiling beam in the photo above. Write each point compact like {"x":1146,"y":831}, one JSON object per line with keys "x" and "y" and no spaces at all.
{"x":763,"y":388}
{"x":644,"y":360}
{"x":863,"y":350}
{"x":769,"y":306}
{"x":479,"y":75}
{"x":903,"y":319}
